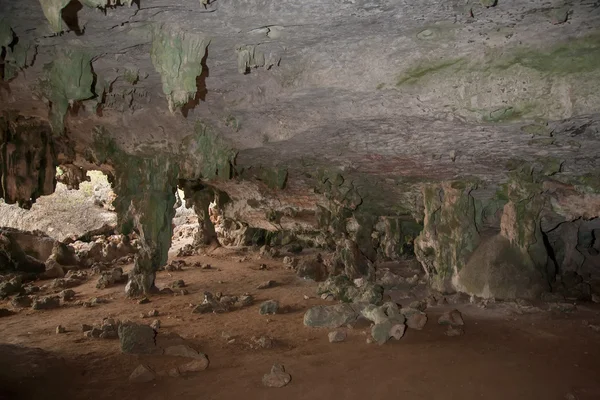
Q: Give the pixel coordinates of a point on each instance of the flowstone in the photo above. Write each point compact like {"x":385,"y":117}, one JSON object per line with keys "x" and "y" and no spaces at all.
{"x":449,"y":235}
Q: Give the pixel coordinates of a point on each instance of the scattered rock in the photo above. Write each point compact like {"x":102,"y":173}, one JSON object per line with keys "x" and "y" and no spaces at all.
{"x":262,"y":267}
{"x":155,"y":324}
{"x":186,"y":251}
{"x":332,"y":316}
{"x":206,"y":266}
{"x":46,"y":303}
{"x":164,"y":290}
{"x":194,"y":366}
{"x":144,"y":300}
{"x":53,"y":270}
{"x":263,"y":342}
{"x":184,"y":292}
{"x":60,"y":329}
{"x":137,"y":339}
{"x":203,"y":308}
{"x":277,"y":377}
{"x":269,"y":307}
{"x":178,"y":284}
{"x":21,"y":301}
{"x":289,"y":262}
{"x":110,"y":278}
{"x":312,"y":268}
{"x":183,"y":350}
{"x":336,"y":336}
{"x":5,"y":312}
{"x":67,"y":294}
{"x":31,"y":289}
{"x":10,"y":287}
{"x":453,"y":318}
{"x":416,"y":320}
{"x":596,"y":298}
{"x":65,"y":283}
{"x":454,"y":331}
{"x":552,"y":297}
{"x":151,"y":314}
{"x":98,"y":300}
{"x":563,"y":307}
{"x":142,"y":374}
{"x":246,"y":300}
{"x":419,"y":305}
{"x":266,"y":285}
{"x":93,"y":333}
{"x":388,"y":320}
{"x":397,"y":331}
{"x":175,"y":265}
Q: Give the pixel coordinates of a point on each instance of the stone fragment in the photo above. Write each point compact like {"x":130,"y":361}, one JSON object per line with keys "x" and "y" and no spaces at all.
{"x":10,"y":287}
{"x":277,"y":377}
{"x":454,"y":331}
{"x":596,"y":298}
{"x":266,"y":285}
{"x":137,"y":339}
{"x":142,"y":374}
{"x":178,"y":284}
{"x":380,"y":332}
{"x":183,"y":350}
{"x":67,"y":294}
{"x":269,"y":307}
{"x":419,"y":305}
{"x":203,"y":308}
{"x":196,"y":365}
{"x":453,"y":318}
{"x":5,"y":312}
{"x":246,"y":300}
{"x":144,"y":300}
{"x":60,"y":329}
{"x":416,"y":321}
{"x":186,"y":251}
{"x":563,"y":307}
{"x":46,"y":303}
{"x":336,"y":336}
{"x":312,"y":268}
{"x":21,"y":301}
{"x":110,"y":278}
{"x":397,"y":331}
{"x":155,"y":324}
{"x":332,"y":316}
{"x":263,"y":342}
{"x":289,"y":262}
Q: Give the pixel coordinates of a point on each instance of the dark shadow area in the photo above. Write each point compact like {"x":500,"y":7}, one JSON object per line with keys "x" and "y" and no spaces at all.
{"x":69,"y":16}
{"x":201,"y":90}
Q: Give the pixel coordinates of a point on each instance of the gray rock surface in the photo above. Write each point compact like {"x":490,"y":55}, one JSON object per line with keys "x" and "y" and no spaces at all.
{"x":332,"y":316}
{"x":137,"y":339}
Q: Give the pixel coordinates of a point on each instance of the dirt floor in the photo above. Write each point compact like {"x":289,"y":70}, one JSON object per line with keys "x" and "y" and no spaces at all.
{"x":504,"y":353}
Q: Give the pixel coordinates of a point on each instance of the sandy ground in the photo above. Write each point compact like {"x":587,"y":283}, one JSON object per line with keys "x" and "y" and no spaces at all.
{"x":502,"y":355}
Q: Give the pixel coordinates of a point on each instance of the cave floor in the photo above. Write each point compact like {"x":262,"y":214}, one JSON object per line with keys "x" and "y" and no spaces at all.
{"x":504,"y":354}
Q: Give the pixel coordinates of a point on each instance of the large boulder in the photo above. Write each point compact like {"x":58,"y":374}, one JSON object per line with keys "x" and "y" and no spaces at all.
{"x":332,"y":316}
{"x":499,"y":269}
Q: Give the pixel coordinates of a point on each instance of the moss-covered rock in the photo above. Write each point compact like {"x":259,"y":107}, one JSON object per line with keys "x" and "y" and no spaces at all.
{"x":27,"y":160}
{"x":205,"y":155}
{"x":145,"y":187}
{"x":449,"y":233}
{"x":177,"y":57}
{"x":67,"y":79}
{"x":248,"y":57}
{"x":513,"y":83}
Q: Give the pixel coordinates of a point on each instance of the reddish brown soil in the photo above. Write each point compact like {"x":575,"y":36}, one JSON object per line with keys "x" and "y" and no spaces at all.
{"x":500,"y":356}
